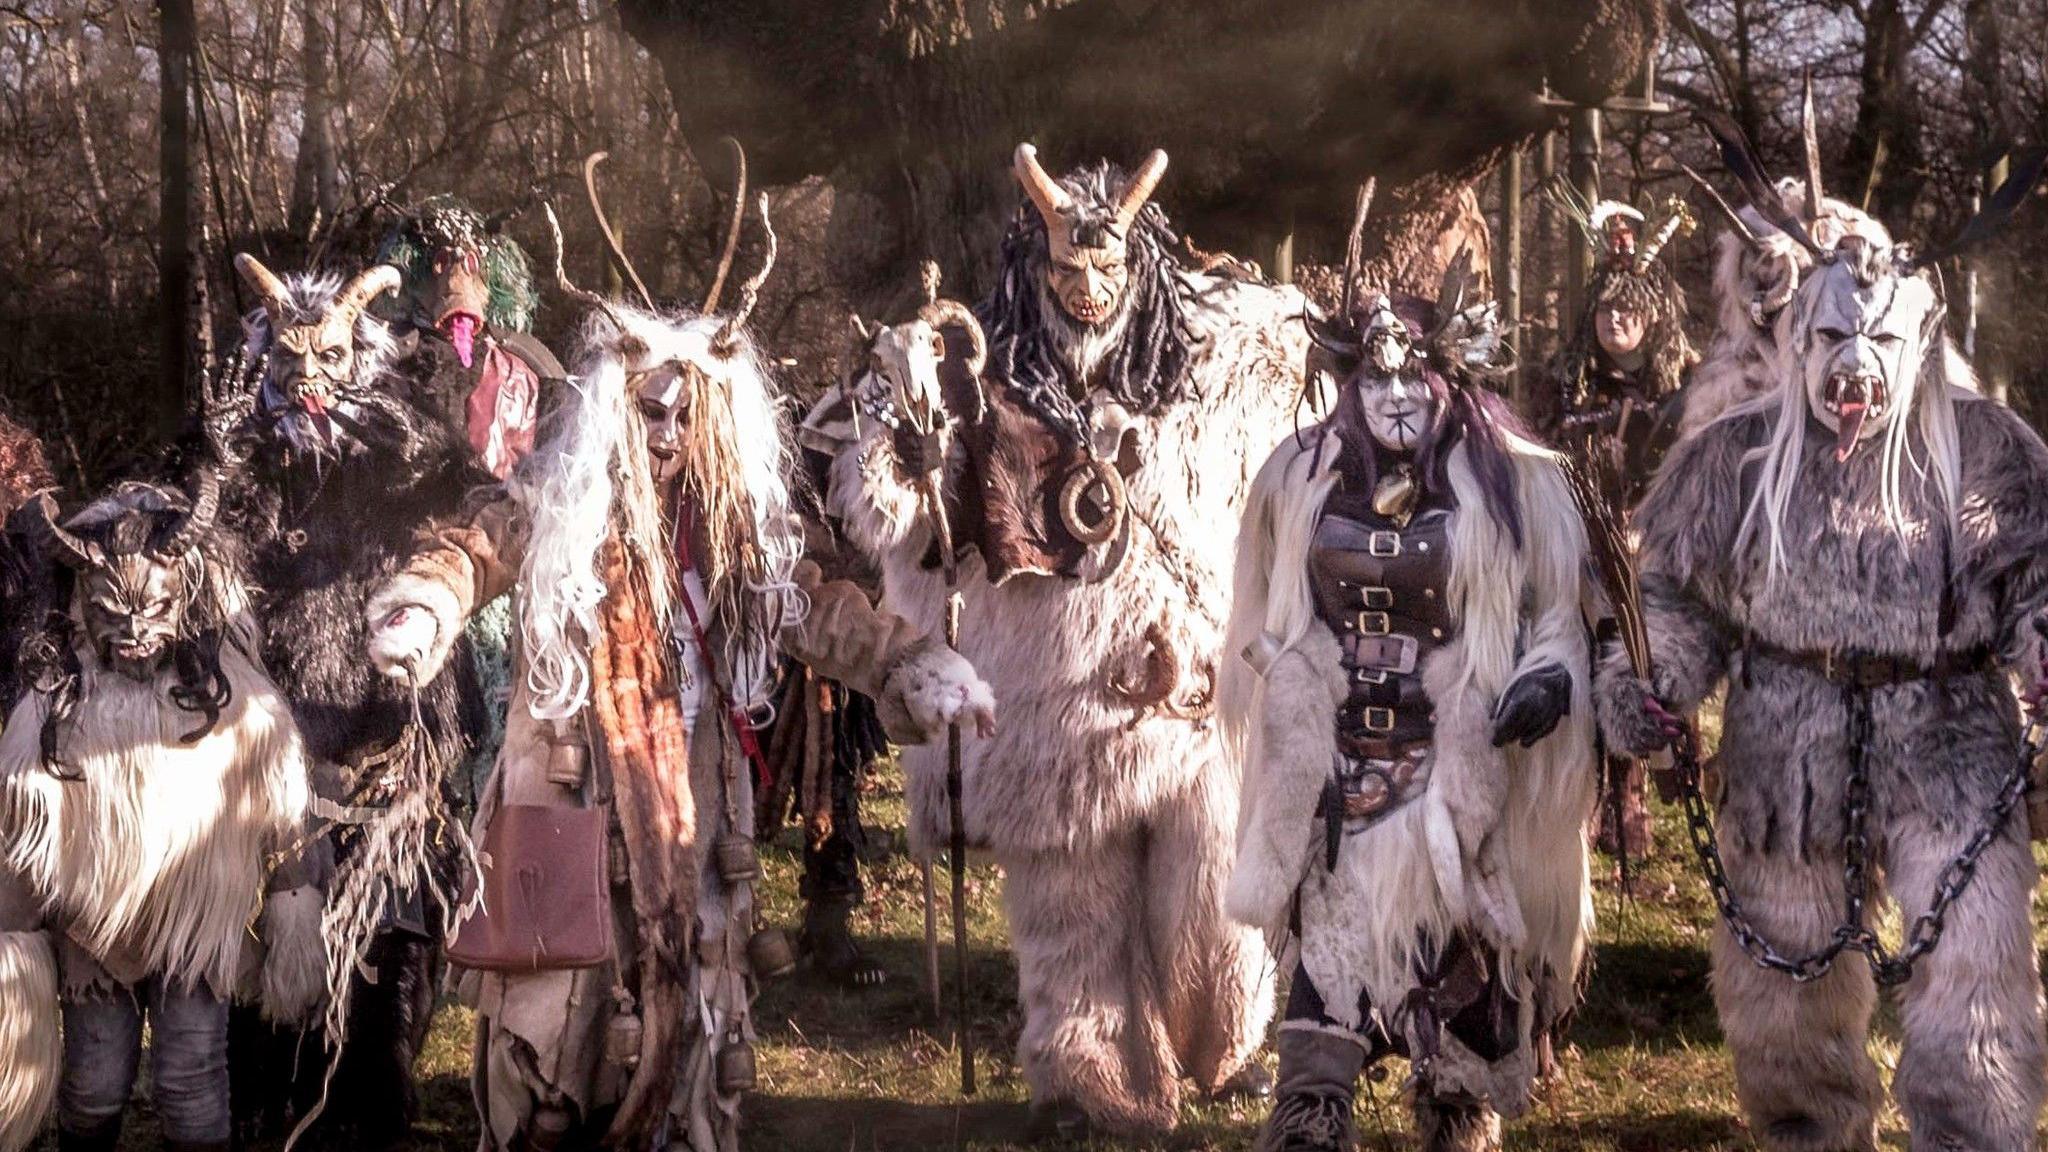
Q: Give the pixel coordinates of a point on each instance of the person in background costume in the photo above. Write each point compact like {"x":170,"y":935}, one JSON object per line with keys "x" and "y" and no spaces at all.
{"x":332,"y":466}
{"x":30,"y":1044}
{"x":464,"y":325}
{"x":1092,"y":481}
{"x":1410,"y":684}
{"x":148,"y":776}
{"x":1619,"y":381}
{"x":658,"y":574}
{"x":1858,"y":555}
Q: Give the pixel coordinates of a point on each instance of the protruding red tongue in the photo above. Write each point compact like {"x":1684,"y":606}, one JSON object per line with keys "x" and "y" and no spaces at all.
{"x":461,"y":328}
{"x":1849,"y":428}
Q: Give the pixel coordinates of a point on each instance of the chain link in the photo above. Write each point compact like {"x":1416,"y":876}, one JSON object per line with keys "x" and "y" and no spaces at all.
{"x":1854,"y":935}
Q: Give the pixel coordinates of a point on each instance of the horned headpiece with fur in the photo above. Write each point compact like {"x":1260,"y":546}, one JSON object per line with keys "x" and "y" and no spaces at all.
{"x":1631,"y":278}
{"x":1862,"y":355}
{"x":1412,"y":374}
{"x":669,"y":413}
{"x":324,"y":359}
{"x":1089,"y":294}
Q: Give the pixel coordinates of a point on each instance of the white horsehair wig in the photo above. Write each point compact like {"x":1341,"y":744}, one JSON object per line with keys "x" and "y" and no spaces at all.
{"x":594,"y":477}
{"x":1922,"y":401}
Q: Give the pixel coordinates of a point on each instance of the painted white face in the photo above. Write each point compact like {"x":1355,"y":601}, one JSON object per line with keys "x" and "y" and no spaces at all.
{"x":662,"y":393}
{"x":1398,"y":409}
{"x":1860,"y":348}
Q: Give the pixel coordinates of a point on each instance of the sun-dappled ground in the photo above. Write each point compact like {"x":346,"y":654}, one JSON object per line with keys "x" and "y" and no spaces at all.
{"x":873,"y":1072}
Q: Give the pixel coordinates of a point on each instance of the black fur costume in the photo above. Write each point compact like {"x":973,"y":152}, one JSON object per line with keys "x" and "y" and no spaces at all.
{"x":327,"y":527}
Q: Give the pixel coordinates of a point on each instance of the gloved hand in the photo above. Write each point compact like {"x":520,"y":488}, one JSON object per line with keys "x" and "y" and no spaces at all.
{"x":1532,"y":706}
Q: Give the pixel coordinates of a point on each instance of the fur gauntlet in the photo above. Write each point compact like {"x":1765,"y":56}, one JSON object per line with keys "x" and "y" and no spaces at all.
{"x":1297,"y":739}
{"x":929,"y":688}
{"x":413,"y":623}
{"x":294,"y":978}
{"x":1630,"y":715}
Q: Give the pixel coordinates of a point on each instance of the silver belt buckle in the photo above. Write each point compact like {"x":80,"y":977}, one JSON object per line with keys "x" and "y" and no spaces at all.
{"x":1395,"y":653}
{"x":1383,"y":544}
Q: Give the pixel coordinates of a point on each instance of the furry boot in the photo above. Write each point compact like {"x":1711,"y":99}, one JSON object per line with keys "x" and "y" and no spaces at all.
{"x":1318,"y":1080}
{"x":1456,"y":1125}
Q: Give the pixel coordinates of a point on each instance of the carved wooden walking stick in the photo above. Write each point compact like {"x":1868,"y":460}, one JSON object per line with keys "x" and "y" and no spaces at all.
{"x":927,"y":416}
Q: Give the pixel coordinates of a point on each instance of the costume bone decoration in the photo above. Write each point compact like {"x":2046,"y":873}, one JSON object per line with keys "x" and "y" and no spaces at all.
{"x":148,"y":775}
{"x":1091,"y":485}
{"x":330,"y":488}
{"x":1759,"y":261}
{"x":1857,"y":553}
{"x":1409,"y":683}
{"x":653,"y":592}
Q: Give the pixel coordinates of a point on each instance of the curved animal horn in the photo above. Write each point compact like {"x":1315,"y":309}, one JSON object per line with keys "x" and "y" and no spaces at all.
{"x":1680,"y":221}
{"x":1140,"y":189}
{"x":269,"y":288}
{"x":603,"y":306}
{"x":728,"y":337}
{"x":369,"y":284}
{"x":952,"y":313}
{"x":604,"y":225}
{"x":1809,"y":135}
{"x":732,"y":229}
{"x":205,"y":506}
{"x":1354,"y":245}
{"x":1329,"y":342}
{"x":54,"y":540}
{"x":1051,"y":200}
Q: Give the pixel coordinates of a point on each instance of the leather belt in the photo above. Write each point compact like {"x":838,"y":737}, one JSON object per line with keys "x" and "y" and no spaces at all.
{"x":1868,"y":670}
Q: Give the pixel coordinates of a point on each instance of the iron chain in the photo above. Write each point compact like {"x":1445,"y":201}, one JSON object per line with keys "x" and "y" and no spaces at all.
{"x":1854,"y":935}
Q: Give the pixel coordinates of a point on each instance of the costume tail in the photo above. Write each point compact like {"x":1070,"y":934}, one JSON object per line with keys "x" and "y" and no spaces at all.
{"x":31,"y":1052}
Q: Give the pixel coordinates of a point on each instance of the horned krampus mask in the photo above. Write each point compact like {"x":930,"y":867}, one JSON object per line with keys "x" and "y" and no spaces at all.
{"x":1087,"y":266}
{"x":314,"y":352}
{"x":139,"y":568}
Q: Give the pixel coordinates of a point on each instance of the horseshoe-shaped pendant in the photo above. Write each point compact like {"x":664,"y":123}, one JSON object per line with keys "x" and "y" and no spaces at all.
{"x":1098,"y":479}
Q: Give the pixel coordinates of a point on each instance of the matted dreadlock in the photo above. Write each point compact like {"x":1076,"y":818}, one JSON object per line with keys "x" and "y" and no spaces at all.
{"x":1144,"y":350}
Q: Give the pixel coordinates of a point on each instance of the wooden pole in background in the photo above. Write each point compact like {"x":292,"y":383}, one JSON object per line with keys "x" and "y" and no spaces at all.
{"x":176,"y":37}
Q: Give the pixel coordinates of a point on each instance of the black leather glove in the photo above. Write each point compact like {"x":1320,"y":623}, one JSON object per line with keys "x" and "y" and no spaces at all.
{"x":1531,"y":707}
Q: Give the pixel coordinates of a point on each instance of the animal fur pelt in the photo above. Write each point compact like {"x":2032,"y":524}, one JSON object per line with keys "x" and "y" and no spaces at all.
{"x":31,"y":1051}
{"x":1496,"y":843}
{"x":1132,"y":978}
{"x":327,"y":525}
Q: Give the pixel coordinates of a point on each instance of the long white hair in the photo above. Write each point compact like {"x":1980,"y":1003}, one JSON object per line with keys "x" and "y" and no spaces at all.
{"x":1921,"y":401}
{"x":593,"y":477}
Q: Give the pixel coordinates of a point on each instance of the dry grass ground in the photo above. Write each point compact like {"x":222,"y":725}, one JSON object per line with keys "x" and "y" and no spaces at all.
{"x":872,"y":1072}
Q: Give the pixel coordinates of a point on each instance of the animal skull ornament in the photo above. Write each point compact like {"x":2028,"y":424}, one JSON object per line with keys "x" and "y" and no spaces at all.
{"x":1087,"y":257}
{"x":1864,"y":327}
{"x":311,"y":361}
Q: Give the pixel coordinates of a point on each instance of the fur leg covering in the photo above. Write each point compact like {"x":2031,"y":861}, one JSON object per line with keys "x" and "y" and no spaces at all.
{"x":1802,"y":1073}
{"x":1217,"y":977}
{"x":31,"y":1052}
{"x":295,"y":956}
{"x":1455,"y":1126}
{"x":388,"y":1024}
{"x":1971,"y":1071}
{"x":1094,"y":1034}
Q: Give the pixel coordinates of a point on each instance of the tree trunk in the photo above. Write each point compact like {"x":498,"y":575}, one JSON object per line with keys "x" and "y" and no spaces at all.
{"x":176,"y":266}
{"x":316,"y":179}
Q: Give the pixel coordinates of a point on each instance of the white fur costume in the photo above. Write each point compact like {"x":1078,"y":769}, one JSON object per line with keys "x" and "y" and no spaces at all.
{"x":154,"y":860}
{"x":1113,"y":827}
{"x":1496,"y":843}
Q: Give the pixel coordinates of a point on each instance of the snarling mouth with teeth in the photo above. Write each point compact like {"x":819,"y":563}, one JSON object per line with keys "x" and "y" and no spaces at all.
{"x":1854,"y":400}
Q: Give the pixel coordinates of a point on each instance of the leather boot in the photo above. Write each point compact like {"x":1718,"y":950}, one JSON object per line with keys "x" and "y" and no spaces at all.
{"x":1456,"y":1125}
{"x":829,"y":943}
{"x":1312,"y":1104}
{"x":102,"y":1137}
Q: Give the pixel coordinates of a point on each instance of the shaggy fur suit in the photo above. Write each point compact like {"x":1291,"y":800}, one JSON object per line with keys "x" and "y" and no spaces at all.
{"x":1114,"y":828}
{"x":1970,"y":1074}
